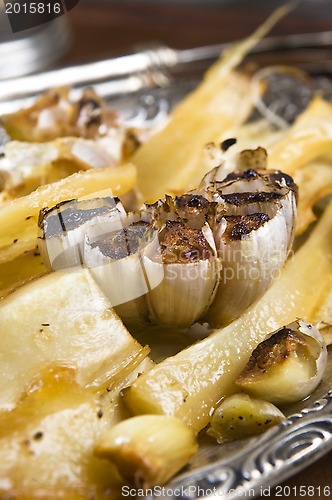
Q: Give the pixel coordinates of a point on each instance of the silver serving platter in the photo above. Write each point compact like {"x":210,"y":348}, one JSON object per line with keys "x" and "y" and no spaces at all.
{"x":144,"y":86}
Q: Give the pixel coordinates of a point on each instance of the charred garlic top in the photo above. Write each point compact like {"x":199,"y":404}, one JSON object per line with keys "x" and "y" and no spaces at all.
{"x":62,"y":228}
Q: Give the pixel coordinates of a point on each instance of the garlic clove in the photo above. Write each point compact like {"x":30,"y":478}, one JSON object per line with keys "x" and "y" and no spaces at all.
{"x":115,"y":260}
{"x":249,"y":191}
{"x":191,"y":275}
{"x":148,"y":450}
{"x":240,"y":416}
{"x":254,"y":227}
{"x":252,"y":191}
{"x":62,"y":228}
{"x":287,"y":366}
{"x":252,"y":249}
{"x":194,"y":210}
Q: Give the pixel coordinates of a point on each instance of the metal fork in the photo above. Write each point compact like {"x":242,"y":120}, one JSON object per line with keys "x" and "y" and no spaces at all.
{"x":153,"y":66}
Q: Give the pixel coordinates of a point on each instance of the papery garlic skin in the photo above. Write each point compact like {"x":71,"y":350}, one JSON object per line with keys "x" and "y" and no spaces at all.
{"x":288,"y":366}
{"x":62,"y":228}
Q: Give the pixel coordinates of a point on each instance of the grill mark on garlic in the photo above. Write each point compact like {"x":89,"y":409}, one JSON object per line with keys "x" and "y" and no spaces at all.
{"x":121,"y":243}
{"x":240,"y":199}
{"x":240,"y":225}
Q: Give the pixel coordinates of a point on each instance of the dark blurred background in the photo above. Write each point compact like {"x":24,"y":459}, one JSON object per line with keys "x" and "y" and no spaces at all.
{"x":105,"y":27}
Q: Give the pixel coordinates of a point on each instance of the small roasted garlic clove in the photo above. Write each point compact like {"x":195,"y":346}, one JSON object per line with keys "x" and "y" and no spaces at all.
{"x":148,"y":450}
{"x":62,"y":228}
{"x":191,"y":275}
{"x":288,"y":366}
{"x":240,"y":416}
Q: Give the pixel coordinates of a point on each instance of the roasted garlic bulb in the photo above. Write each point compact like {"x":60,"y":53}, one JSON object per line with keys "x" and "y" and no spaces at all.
{"x":207,"y":254}
{"x":286,"y":367}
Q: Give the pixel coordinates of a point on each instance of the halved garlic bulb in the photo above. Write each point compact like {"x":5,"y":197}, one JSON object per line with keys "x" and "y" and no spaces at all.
{"x":191,"y":274}
{"x":240,"y":416}
{"x":62,"y":228}
{"x":287,"y":366}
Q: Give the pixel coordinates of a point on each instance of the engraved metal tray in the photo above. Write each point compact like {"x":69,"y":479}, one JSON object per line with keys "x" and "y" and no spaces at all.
{"x":143,"y":87}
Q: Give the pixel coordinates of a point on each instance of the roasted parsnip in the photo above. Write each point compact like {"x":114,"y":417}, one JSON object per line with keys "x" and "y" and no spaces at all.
{"x":203,"y":116}
{"x":47,"y":440}
{"x":315,"y":183}
{"x":27,"y":166}
{"x":308,"y":139}
{"x":16,"y":272}
{"x":62,"y":318}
